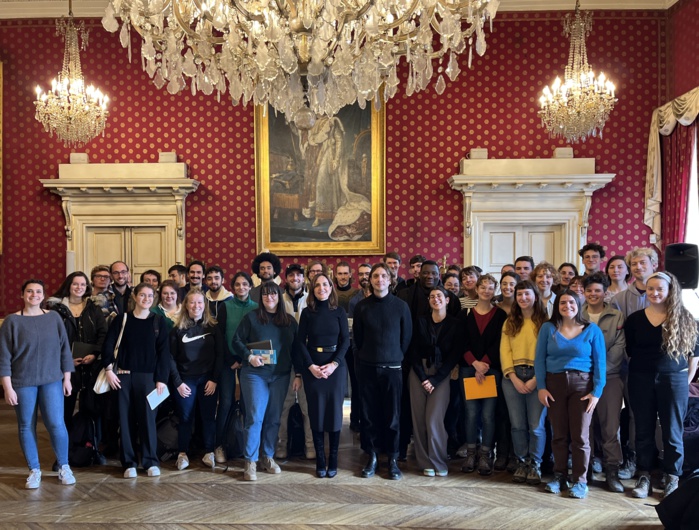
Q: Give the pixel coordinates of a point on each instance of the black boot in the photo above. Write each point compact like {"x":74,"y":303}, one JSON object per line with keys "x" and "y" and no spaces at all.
{"x":334,"y":439}
{"x":393,"y":472}
{"x":371,"y":466}
{"x":319,"y":445}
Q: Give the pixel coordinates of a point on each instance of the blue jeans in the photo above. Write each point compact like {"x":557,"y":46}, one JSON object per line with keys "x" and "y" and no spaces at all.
{"x":207,"y":412}
{"x":48,"y":398}
{"x":226,"y":397}
{"x":664,"y":396}
{"x":527,"y":416}
{"x":264,"y":393}
{"x":480,"y":411}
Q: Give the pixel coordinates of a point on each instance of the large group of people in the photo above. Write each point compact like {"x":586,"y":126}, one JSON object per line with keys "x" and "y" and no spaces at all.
{"x":574,"y":370}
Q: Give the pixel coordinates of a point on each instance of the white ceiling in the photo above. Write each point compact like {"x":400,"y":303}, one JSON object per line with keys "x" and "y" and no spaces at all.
{"x":95,"y":8}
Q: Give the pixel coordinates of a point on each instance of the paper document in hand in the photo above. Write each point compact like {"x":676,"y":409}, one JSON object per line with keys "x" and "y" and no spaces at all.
{"x":268,"y":356}
{"x":476,"y":390}
{"x":155,"y":399}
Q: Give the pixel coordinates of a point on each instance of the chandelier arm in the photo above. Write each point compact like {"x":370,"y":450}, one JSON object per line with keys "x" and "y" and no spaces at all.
{"x":243,"y":11}
{"x":408,"y":14}
{"x":189,"y":31}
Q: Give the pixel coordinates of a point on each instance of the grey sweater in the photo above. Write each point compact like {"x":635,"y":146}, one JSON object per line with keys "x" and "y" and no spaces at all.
{"x":34,"y":351}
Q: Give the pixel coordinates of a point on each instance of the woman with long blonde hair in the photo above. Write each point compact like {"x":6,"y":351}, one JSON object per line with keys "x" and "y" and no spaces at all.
{"x":661,"y":341}
{"x":197,"y":346}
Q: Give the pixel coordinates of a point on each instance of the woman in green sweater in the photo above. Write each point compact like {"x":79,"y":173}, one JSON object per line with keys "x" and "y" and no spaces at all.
{"x":264,"y":384}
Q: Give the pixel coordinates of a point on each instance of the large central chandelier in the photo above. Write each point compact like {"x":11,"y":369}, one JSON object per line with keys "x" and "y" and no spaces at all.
{"x":580,"y":106}
{"x":306,"y":58}
{"x":74,"y":113}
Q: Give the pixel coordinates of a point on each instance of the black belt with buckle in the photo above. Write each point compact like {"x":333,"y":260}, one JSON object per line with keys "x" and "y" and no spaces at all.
{"x":326,"y":349}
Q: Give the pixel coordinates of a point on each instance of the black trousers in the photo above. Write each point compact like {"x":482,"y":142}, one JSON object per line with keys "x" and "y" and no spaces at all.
{"x":381,"y":389}
{"x":137,"y":420}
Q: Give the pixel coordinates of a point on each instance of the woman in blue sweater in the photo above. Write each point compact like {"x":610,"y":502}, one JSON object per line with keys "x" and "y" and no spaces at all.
{"x":570,"y":368}
{"x":264,"y":386}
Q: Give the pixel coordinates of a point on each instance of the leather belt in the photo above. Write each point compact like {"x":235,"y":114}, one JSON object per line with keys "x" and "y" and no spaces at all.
{"x":326,"y":349}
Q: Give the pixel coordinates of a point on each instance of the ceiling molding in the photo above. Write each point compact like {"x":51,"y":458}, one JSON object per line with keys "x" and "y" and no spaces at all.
{"x":95,"y":8}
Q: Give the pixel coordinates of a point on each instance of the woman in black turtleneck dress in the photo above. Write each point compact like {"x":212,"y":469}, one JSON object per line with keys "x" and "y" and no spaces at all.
{"x":322,"y":342}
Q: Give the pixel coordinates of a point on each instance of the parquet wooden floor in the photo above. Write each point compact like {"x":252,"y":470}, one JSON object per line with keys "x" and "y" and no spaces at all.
{"x":198,"y":498}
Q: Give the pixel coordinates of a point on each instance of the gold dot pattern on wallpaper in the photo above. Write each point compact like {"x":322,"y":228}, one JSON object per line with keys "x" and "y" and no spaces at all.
{"x":493,"y":105}
{"x":684,"y":47}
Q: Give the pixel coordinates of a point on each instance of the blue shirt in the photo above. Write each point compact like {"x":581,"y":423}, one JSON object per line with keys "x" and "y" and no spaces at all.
{"x":586,"y":353}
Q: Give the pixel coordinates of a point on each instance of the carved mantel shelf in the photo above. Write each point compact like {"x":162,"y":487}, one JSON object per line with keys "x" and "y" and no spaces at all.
{"x":93,"y":186}
{"x":527,"y":190}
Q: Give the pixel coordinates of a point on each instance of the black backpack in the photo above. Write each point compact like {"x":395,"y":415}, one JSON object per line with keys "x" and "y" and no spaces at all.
{"x":167,"y":429}
{"x":235,"y":432}
{"x":82,"y":449}
{"x":296,"y":441}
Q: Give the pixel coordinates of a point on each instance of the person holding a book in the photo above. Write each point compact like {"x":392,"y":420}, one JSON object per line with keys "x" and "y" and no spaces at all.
{"x":322,"y":342}
{"x":264,"y":377}
{"x":197,"y":348}
{"x":482,"y":330}
{"x":570,"y":368}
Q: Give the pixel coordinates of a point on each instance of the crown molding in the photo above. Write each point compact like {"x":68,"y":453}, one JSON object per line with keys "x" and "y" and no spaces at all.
{"x":16,"y":9}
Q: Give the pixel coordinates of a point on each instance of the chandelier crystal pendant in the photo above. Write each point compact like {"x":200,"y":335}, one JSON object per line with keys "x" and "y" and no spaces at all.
{"x":306,"y":58}
{"x":579,"y":106}
{"x":74,"y":113}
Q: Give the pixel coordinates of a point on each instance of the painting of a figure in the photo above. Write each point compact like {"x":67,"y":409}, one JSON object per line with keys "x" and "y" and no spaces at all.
{"x":321,"y":190}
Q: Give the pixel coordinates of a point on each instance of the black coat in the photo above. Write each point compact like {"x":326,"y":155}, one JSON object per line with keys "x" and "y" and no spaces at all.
{"x":89,"y":327}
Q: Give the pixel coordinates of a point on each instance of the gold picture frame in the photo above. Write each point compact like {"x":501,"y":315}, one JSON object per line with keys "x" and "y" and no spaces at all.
{"x":321,"y":192}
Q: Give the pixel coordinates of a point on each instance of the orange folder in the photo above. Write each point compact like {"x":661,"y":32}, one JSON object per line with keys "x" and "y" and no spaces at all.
{"x":476,"y":390}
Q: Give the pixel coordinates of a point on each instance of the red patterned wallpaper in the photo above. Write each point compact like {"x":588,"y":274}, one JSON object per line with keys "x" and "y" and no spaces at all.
{"x":683,"y":47}
{"x":492,"y":106}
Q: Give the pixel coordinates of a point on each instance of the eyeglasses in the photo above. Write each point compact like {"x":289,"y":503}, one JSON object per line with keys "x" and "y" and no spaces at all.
{"x":120,"y":273}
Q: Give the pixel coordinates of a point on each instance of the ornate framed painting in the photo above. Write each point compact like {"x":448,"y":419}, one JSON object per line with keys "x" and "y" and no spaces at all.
{"x":321,"y":191}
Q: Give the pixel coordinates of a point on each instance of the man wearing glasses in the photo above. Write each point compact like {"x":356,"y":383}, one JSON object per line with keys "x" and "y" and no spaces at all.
{"x":120,"y":285}
{"x":102,"y":295}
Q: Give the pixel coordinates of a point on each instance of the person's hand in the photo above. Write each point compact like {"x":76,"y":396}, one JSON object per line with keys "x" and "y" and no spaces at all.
{"x":235,"y":365}
{"x":427,"y":386}
{"x":328,"y":369}
{"x":209,"y":388}
{"x":480,"y":378}
{"x":296,"y":384}
{"x":11,"y":397}
{"x":592,"y":402}
{"x":77,"y":362}
{"x":544,"y":397}
{"x":317,"y":371}
{"x":531,"y":384}
{"x":519,"y":385}
{"x":256,"y":361}
{"x":481,"y":367}
{"x":88,"y":359}
{"x":160,"y":388}
{"x":67,"y":386}
{"x":113,"y":380}
{"x":184,"y":391}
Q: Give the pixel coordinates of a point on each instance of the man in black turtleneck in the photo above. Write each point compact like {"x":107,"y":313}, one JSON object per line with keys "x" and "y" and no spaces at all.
{"x":382,"y":330}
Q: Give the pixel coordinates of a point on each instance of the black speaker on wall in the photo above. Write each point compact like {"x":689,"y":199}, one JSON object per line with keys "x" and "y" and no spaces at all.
{"x":682,"y":260}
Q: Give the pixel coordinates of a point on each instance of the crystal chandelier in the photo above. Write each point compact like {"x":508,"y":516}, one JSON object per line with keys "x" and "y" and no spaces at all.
{"x":74,"y":113}
{"x":306,"y":58}
{"x":580,"y":106}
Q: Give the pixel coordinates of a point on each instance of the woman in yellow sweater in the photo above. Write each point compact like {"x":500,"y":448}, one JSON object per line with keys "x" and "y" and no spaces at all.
{"x":517,"y":352}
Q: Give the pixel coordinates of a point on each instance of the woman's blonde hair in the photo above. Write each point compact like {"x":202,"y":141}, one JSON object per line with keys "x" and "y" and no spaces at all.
{"x":679,"y":329}
{"x":184,"y":321}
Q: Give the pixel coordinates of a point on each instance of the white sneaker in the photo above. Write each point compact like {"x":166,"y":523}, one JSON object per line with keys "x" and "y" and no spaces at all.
{"x":220,"y":455}
{"x":209,"y":460}
{"x":33,"y":480}
{"x":153,"y":471}
{"x":462,"y":451}
{"x":130,"y":472}
{"x":65,"y":475}
{"x":269,"y":465}
{"x":182,"y":461}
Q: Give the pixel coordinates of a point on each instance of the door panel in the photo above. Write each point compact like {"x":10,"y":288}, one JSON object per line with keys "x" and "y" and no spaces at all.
{"x":148,"y":246}
{"x":105,"y":245}
{"x":142,"y":248}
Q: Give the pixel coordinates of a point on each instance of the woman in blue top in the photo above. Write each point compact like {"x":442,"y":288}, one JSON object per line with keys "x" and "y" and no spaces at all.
{"x":570,"y":368}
